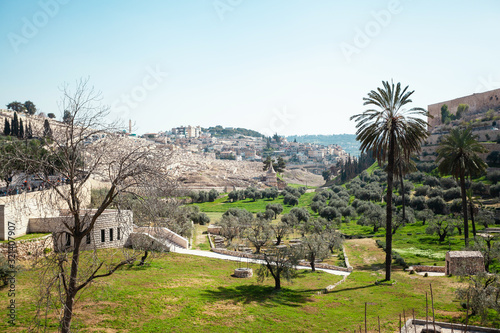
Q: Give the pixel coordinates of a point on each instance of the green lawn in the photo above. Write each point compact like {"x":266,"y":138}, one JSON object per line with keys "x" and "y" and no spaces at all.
{"x":223,"y":204}
{"x":181,"y":293}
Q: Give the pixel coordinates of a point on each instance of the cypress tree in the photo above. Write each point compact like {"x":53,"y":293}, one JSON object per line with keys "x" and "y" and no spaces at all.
{"x":47,"y":131}
{"x":14,"y":129}
{"x":29,"y":132}
{"x":21,"y":129}
{"x":6,"y":127}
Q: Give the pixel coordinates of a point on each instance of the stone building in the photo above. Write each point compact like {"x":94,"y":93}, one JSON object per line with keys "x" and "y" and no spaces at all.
{"x":111,"y":230}
{"x":464,"y":262}
{"x":270,"y":178}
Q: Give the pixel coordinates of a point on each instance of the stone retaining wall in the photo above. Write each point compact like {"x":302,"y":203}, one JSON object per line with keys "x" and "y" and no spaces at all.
{"x":29,"y":248}
{"x":326,"y":266}
{"x":434,"y":269}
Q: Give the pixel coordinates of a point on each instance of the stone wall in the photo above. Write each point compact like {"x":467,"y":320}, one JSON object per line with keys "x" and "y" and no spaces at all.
{"x":433,"y":269}
{"x":16,"y":210}
{"x":464,"y":262}
{"x":30,"y":248}
{"x":165,"y":234}
{"x":476,"y":102}
{"x":326,"y":266}
{"x":111,"y":230}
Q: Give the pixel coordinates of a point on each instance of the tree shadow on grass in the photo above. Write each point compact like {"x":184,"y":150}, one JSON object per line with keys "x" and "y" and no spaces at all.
{"x":369,"y":267}
{"x":264,"y":295}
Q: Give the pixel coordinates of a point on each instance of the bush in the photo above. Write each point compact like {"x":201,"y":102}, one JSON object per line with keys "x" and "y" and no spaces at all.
{"x":437,"y":205}
{"x":452,"y":193}
{"x":426,"y":167}
{"x":337,"y":203}
{"x":316,"y":206}
{"x":495,"y":190}
{"x":329,"y":213}
{"x":478,"y":188}
{"x":448,"y":183}
{"x":456,"y":206}
{"x":493,"y":176}
{"x":435,"y":192}
{"x":431,"y":181}
{"x":422,"y":190}
{"x":418,"y":203}
{"x":291,"y":200}
{"x":416,"y":177}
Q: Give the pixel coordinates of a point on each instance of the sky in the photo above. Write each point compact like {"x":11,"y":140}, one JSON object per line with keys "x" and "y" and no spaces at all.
{"x":290,"y":67}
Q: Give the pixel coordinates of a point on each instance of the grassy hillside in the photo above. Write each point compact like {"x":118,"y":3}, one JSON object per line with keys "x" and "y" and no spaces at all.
{"x":181,"y":293}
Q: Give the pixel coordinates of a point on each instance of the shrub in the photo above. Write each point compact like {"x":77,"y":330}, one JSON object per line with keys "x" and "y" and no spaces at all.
{"x":422,"y":190}
{"x":337,"y":203}
{"x":416,"y":177}
{"x":456,"y":206}
{"x":437,"y":205}
{"x":435,"y":192}
{"x":418,"y":203}
{"x":291,"y":200}
{"x":329,"y":213}
{"x":493,"y":176}
{"x":316,"y":206}
{"x":431,"y":181}
{"x":452,"y":193}
{"x":478,"y":188}
{"x":495,"y":190}
{"x":448,"y":183}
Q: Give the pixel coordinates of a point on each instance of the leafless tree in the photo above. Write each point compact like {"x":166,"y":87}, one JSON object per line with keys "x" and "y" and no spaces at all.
{"x":84,"y":148}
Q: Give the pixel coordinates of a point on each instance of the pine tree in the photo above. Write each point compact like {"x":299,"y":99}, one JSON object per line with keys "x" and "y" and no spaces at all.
{"x":6,"y":127}
{"x":14,"y":129}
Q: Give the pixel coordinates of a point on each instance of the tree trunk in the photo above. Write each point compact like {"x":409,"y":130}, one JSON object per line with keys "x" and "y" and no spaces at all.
{"x":464,"y":207}
{"x":388,"y":223}
{"x":277,"y":282}
{"x":143,"y":258}
{"x":71,"y":292}
{"x":278,"y":240}
{"x":472,"y":219}
{"x":313,"y":267}
{"x":402,"y":192}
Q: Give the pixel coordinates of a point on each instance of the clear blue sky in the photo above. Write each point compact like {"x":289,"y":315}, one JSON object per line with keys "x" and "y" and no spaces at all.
{"x":286,"y":66}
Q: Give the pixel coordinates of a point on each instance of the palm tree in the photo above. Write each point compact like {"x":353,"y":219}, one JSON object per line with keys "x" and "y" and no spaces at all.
{"x":390,"y":132}
{"x":402,"y":167}
{"x":458,"y":155}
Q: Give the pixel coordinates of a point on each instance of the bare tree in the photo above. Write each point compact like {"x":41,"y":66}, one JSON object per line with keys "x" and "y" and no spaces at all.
{"x":84,"y":148}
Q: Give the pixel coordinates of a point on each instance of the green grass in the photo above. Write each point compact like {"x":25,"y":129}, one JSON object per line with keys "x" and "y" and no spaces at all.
{"x":223,"y":204}
{"x":372,"y":168}
{"x":181,"y":293}
{"x":27,"y":236}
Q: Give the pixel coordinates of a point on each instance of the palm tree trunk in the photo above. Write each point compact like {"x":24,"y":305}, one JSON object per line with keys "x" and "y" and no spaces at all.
{"x":403,"y":191}
{"x":464,"y":207}
{"x":388,"y":223}
{"x":472,"y":219}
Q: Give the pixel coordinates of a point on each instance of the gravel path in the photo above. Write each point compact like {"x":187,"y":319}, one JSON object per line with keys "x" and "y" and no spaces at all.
{"x":210,"y":254}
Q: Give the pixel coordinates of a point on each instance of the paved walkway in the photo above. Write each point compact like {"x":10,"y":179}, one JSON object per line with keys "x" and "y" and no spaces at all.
{"x":210,"y":254}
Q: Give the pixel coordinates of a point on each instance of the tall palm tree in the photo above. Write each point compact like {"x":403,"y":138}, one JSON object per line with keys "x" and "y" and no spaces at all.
{"x":402,"y":167}
{"x":390,"y":131}
{"x":457,"y":154}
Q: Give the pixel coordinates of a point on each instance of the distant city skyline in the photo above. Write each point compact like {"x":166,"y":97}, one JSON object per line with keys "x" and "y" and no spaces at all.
{"x":288,"y":67}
